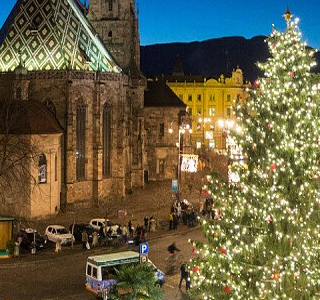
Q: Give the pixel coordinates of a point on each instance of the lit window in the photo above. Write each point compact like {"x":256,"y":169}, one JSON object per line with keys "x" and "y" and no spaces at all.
{"x":229,"y":112}
{"x":42,"y":176}
{"x":211,"y":111}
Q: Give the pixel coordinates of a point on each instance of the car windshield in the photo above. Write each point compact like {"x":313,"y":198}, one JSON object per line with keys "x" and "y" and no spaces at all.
{"x":62,"y":231}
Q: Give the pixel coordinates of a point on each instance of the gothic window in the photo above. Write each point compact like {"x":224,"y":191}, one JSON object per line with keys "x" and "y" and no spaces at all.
{"x":229,"y":111}
{"x":190,"y":97}
{"x":110,"y":5}
{"x":106,"y":140}
{"x":110,"y":34}
{"x":199,"y":98}
{"x":81,"y":141}
{"x":42,"y":169}
{"x":160,"y":166}
{"x":228,"y":98}
{"x":49,"y":104}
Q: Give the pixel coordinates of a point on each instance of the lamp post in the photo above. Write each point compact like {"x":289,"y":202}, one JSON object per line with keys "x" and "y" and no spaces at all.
{"x":182,"y":129}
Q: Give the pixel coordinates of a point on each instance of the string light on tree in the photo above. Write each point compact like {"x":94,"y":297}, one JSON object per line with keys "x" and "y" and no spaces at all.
{"x":267,"y":243}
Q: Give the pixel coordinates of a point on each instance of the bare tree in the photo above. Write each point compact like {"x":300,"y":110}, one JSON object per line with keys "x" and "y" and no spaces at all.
{"x":17,"y":152}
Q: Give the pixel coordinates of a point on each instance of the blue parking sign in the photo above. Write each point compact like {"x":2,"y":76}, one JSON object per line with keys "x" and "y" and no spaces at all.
{"x":144,"y":248}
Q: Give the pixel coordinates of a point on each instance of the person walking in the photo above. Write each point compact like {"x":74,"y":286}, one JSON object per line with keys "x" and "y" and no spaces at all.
{"x":146,"y":223}
{"x":95,"y":239}
{"x":130,"y":228}
{"x":152,"y":224}
{"x":58,"y":245}
{"x":101,"y":235}
{"x":171,"y":221}
{"x":184,"y":274}
{"x":125,"y":233}
{"x":84,"y":239}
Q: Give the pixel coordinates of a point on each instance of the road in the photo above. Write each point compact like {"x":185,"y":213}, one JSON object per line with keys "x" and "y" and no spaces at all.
{"x":63,"y":277}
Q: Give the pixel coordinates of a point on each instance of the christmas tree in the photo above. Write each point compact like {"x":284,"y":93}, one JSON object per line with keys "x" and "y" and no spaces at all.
{"x":267,"y":243}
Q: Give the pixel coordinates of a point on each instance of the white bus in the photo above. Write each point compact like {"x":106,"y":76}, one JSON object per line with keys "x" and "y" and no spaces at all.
{"x":100,"y":271}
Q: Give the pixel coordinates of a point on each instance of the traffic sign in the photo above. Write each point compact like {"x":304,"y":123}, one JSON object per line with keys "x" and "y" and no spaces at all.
{"x":174,"y":184}
{"x":144,"y":248}
{"x":143,"y":259}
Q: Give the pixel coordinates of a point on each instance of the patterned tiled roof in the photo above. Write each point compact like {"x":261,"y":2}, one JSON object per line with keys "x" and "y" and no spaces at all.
{"x":52,"y":35}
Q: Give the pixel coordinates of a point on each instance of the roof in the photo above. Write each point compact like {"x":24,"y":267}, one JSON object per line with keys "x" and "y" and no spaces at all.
{"x":5,"y":219}
{"x":158,"y":94}
{"x":27,"y":117}
{"x":115,"y":258}
{"x":52,"y":35}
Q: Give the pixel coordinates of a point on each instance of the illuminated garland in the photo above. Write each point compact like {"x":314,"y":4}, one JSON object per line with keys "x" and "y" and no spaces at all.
{"x":267,"y":243}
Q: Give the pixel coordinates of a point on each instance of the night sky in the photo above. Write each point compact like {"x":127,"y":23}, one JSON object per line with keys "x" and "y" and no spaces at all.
{"x":165,"y":21}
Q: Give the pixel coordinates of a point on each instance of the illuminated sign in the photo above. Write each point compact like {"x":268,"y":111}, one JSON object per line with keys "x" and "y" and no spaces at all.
{"x":189,"y":163}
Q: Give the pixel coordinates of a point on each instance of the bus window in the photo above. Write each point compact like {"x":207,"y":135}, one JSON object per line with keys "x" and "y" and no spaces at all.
{"x":89,"y":268}
{"x":94,"y":272}
{"x":108,"y":273}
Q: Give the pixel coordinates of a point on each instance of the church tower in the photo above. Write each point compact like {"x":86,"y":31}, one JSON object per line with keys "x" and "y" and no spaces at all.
{"x":117,"y":25}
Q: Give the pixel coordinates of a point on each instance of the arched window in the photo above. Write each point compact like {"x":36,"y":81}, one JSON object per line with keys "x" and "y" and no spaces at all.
{"x":42,"y":169}
{"x":110,"y":5}
{"x":106,"y":140}
{"x":81,"y":141}
{"x":110,"y":34}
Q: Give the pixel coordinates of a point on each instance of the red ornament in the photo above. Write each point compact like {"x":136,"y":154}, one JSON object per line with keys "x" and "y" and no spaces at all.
{"x":194,"y":250}
{"x":227,"y":289}
{"x":256,"y":84}
{"x":275,"y":275}
{"x":273,"y":167}
{"x":224,"y":250}
{"x":292,"y":74}
{"x":195,"y":269}
{"x":270,"y":220}
{"x":205,"y":193}
{"x":232,"y":275}
{"x":215,"y":233}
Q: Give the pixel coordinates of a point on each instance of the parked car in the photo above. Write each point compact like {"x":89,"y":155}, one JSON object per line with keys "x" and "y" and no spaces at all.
{"x":53,"y":232}
{"x":78,"y":229}
{"x":30,"y":238}
{"x":97,"y":223}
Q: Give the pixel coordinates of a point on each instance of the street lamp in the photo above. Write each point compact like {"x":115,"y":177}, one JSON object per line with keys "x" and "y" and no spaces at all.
{"x":182,"y":129}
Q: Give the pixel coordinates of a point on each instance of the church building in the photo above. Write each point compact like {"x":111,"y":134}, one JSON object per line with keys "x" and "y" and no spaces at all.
{"x":80,"y":64}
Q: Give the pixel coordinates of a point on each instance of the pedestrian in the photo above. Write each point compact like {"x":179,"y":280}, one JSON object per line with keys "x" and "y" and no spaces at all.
{"x":170,"y":220}
{"x":101,"y":235}
{"x":95,"y":239}
{"x":174,"y":221}
{"x":84,"y":239}
{"x":178,"y":210}
{"x":184,"y":274}
{"x":146,"y":223}
{"x":125,"y":233}
{"x":58,"y":245}
{"x":119,"y":231}
{"x":152,"y":224}
{"x":130,"y":228}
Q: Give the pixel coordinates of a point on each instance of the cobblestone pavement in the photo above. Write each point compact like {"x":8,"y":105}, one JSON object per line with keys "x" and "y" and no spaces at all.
{"x":155,"y":199}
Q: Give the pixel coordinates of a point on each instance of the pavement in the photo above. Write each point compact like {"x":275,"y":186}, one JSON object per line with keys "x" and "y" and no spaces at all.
{"x":153,"y":200}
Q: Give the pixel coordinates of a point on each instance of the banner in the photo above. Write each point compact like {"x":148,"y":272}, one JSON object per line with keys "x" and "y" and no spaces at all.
{"x":189,"y":163}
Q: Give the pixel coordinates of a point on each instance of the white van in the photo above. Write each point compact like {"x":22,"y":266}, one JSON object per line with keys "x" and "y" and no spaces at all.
{"x":100,"y":271}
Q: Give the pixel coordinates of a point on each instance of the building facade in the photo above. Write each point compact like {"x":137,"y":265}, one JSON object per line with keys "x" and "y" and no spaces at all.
{"x":55,"y":52}
{"x":209,"y":103}
{"x":164,"y":113}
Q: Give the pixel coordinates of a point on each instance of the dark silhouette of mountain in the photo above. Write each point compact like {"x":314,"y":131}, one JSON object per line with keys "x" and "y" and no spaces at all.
{"x":209,"y":58}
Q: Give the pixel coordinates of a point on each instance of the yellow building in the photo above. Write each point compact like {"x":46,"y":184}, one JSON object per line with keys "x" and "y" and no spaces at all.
{"x":209,"y":103}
